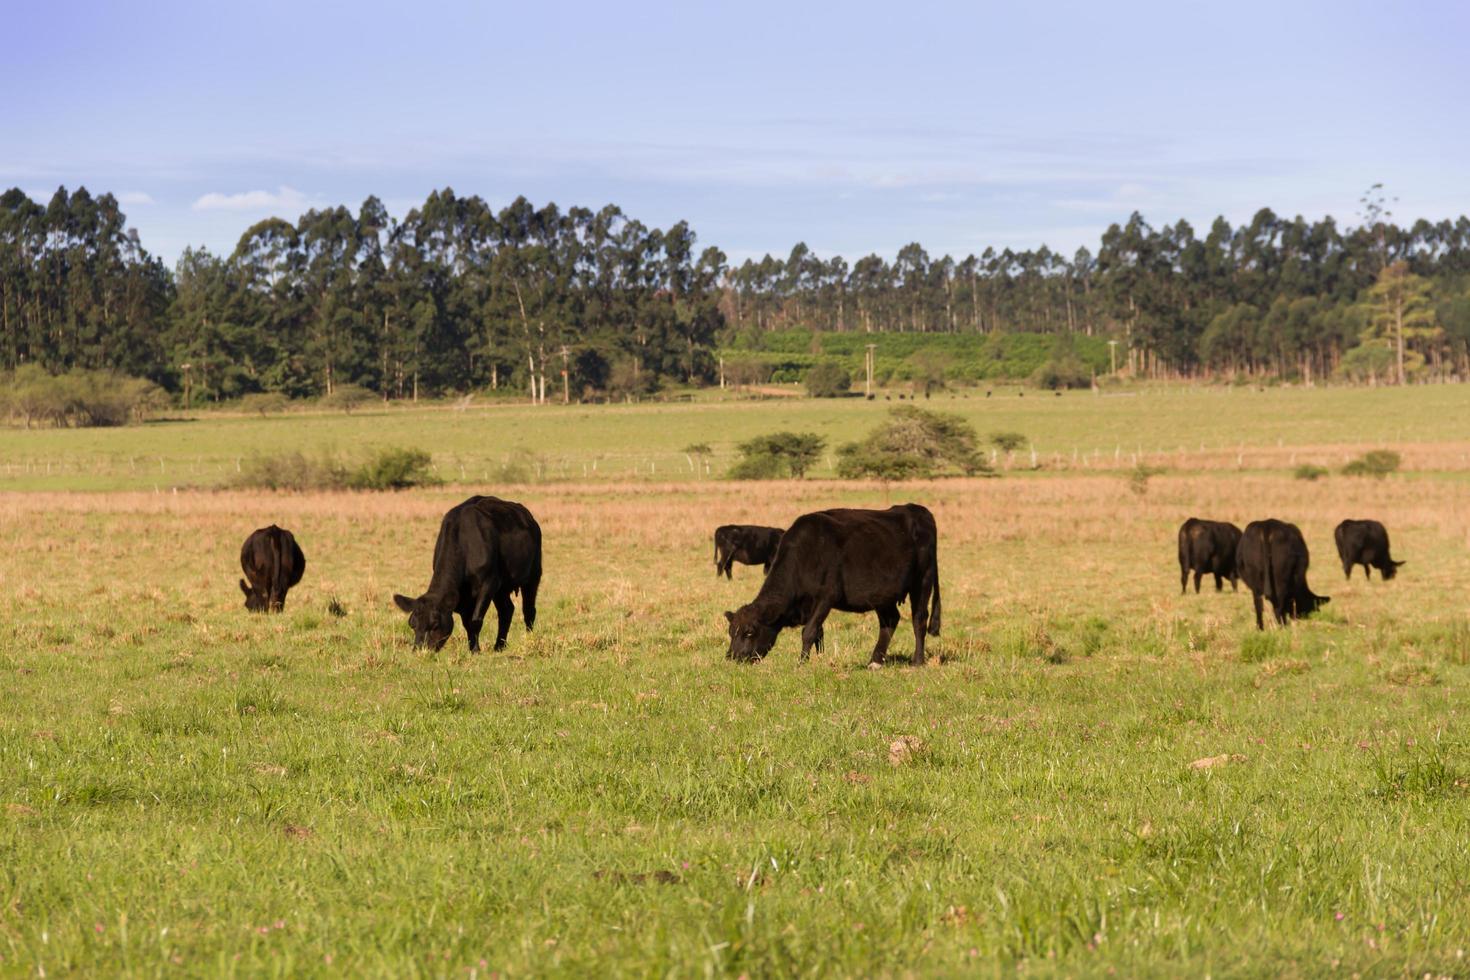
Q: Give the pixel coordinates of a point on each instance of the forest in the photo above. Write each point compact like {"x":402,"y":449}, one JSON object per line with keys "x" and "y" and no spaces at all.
{"x":458,"y":297}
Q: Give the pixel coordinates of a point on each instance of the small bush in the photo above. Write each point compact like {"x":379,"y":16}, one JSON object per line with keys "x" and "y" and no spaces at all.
{"x":295,"y":471}
{"x":828,"y":380}
{"x":389,"y":469}
{"x":1310,"y":471}
{"x":347,"y":397}
{"x":776,"y":455}
{"x":264,"y":402}
{"x":914,"y":443}
{"x":394,"y":469}
{"x":1139,"y":476}
{"x":1378,"y":463}
{"x":1008,"y":442}
{"x":77,"y":398}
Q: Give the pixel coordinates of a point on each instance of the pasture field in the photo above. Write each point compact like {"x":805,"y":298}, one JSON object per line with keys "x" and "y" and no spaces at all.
{"x":1180,"y":428}
{"x":1097,"y":775}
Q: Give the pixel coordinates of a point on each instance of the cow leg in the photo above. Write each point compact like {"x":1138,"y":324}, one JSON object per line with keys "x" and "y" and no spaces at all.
{"x":887,"y":622}
{"x":919,"y":613}
{"x":1347,"y":570}
{"x":1256,"y":599}
{"x":504,"y":610}
{"x":729,"y":560}
{"x":811,"y":633}
{"x":1197,"y":576}
{"x":1367,"y":571}
{"x":1183,"y":578}
{"x":1219,"y":583}
{"x":472,"y":632}
{"x":1234,"y":583}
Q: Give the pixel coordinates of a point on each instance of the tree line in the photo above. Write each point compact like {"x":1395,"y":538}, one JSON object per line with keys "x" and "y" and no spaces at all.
{"x":457,"y":296}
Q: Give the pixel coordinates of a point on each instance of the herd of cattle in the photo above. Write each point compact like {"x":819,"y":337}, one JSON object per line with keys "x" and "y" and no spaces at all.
{"x":848,"y":560}
{"x":1272,"y":557}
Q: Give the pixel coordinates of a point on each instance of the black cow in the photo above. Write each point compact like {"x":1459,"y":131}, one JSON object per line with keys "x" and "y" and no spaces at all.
{"x":749,"y":544}
{"x":488,"y":549}
{"x":849,"y":560}
{"x":273,"y":562}
{"x":1365,"y":543}
{"x":1208,"y":548}
{"x":1273,"y":559}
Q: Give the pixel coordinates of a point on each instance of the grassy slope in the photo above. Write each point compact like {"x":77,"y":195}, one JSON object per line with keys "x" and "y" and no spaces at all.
{"x":185,"y":786}
{"x":646,"y":441}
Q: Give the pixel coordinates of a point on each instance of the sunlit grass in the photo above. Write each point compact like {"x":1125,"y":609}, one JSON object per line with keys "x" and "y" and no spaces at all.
{"x":184,"y":786}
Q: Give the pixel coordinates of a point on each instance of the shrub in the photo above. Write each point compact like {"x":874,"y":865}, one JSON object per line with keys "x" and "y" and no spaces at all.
{"x":347,"y":397}
{"x":776,"y":455}
{"x":828,"y":380}
{"x":394,"y":469}
{"x":1007,"y":442}
{"x":79,"y":398}
{"x":388,"y":469}
{"x":292,"y":471}
{"x":1379,"y":463}
{"x":1139,"y":476}
{"x":1310,"y":471}
{"x":264,"y":402}
{"x":913,"y":443}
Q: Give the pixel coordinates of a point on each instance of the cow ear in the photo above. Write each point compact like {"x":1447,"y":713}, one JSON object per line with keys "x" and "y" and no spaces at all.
{"x":403,"y":602}
{"x":729,"y":616}
{"x":244,"y":588}
{"x":1324,"y":599}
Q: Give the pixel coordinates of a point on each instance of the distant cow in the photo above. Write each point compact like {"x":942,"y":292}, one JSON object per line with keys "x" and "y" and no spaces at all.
{"x":1365,"y":543}
{"x":1273,"y":559}
{"x":852,"y":561}
{"x":749,"y":544}
{"x":273,"y":564}
{"x":488,"y":549}
{"x":1208,"y":548}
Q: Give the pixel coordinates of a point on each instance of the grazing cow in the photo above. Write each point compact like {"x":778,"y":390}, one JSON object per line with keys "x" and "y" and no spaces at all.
{"x":273,"y":563}
{"x":1273,"y":559}
{"x":1365,"y":543}
{"x":1208,"y":548}
{"x":488,"y":549}
{"x":852,"y":561}
{"x":749,"y":544}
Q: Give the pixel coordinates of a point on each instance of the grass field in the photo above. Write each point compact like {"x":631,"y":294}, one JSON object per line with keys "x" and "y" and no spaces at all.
{"x":185,"y":788}
{"x":1180,"y":428}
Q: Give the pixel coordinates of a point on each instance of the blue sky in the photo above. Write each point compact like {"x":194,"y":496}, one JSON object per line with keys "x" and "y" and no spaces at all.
{"x":856,"y":128}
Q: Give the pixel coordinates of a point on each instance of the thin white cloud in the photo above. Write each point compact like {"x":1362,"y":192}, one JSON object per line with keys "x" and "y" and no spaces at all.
{"x":135,"y":198}
{"x":283,"y":199}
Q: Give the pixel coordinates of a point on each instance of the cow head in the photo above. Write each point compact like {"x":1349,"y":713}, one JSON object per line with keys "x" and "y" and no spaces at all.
{"x":750,"y":639}
{"x":431,"y":622}
{"x":1390,"y":569}
{"x":1309,"y":602}
{"x":254,"y":601}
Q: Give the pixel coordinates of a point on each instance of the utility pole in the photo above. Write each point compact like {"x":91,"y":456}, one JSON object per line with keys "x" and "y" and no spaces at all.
{"x":868,"y":363}
{"x":1113,"y":356}
{"x":566,"y":383}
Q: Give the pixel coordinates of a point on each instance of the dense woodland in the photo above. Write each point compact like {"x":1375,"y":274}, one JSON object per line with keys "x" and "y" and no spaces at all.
{"x":459,"y":297}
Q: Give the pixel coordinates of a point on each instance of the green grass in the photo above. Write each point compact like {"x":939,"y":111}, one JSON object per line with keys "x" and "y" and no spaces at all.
{"x":1180,"y":427}
{"x":188,"y":788}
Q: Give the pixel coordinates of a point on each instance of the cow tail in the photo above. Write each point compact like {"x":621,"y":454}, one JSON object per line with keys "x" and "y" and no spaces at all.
{"x":934,"y":616}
